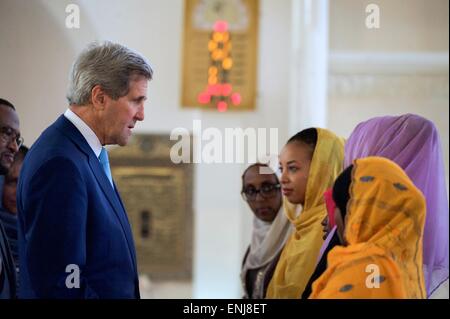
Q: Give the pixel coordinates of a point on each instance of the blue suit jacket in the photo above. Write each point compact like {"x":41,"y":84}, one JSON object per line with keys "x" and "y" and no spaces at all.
{"x":69,"y":214}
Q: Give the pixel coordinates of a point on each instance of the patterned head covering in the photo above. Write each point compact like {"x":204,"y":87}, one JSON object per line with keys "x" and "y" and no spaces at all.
{"x":383,"y":234}
{"x":413,"y":143}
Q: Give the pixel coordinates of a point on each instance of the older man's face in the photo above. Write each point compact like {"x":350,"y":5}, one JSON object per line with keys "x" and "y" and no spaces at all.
{"x":9,"y":131}
{"x":122,"y":114}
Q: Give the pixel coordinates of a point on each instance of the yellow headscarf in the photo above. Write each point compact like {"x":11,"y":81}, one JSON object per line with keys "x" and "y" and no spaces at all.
{"x":299,"y":255}
{"x":383,"y":230}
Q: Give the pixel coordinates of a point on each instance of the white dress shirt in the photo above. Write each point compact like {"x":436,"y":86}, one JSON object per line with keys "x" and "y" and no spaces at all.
{"x":86,"y":131}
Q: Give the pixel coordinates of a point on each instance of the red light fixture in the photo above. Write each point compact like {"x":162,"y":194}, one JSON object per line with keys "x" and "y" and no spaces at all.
{"x":219,"y":91}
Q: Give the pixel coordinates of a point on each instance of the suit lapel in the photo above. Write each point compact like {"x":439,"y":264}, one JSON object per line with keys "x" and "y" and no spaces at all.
{"x":110,"y":193}
{"x":127,"y":221}
{"x":72,"y":132}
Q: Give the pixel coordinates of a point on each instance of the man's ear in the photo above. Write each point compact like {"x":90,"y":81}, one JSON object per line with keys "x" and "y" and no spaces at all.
{"x":98,"y":97}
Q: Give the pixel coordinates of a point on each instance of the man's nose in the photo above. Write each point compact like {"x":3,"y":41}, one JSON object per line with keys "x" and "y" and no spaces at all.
{"x":13,"y":146}
{"x":258,"y":195}
{"x":140,"y":113}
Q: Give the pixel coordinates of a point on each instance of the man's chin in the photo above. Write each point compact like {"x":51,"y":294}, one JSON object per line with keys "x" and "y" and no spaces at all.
{"x":4,"y":167}
{"x":123,"y":142}
{"x":125,"y":138}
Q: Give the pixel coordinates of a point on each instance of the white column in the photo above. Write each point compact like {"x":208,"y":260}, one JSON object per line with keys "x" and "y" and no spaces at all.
{"x":309,"y":65}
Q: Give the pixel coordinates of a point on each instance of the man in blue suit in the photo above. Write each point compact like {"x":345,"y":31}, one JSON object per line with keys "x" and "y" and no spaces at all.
{"x":75,"y":240}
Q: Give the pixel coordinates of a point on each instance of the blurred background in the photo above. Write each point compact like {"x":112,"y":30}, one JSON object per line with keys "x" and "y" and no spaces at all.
{"x":317,"y":63}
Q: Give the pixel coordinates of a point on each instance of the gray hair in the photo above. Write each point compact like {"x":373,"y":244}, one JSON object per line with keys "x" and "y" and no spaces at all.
{"x":109,"y":65}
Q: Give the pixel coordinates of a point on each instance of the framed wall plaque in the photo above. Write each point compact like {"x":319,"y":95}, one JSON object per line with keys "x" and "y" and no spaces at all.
{"x":157,"y":195}
{"x":220,"y":54}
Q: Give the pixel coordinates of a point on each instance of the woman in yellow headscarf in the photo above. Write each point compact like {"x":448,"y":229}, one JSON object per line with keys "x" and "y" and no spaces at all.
{"x":309,"y":163}
{"x":380,"y":218}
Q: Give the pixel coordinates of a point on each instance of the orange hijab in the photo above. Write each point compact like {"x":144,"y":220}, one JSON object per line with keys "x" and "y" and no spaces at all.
{"x":383,"y":231}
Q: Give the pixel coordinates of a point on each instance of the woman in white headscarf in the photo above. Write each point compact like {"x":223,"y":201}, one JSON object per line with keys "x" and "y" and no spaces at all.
{"x":261,"y":190}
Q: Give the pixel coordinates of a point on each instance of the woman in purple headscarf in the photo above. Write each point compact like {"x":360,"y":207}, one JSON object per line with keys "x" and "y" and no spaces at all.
{"x":413,"y":143}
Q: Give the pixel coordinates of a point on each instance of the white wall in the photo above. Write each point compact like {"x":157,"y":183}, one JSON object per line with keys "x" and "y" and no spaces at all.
{"x":405,"y":25}
{"x":402,"y":67}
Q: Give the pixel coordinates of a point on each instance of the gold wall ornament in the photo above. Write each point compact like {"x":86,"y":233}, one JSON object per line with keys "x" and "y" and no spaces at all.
{"x":157,"y":195}
{"x":220,"y":54}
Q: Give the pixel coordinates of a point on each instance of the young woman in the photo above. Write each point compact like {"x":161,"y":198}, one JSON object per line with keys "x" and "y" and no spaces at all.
{"x":380,"y":217}
{"x":413,"y":143}
{"x":309,"y":163}
{"x":271,"y":228}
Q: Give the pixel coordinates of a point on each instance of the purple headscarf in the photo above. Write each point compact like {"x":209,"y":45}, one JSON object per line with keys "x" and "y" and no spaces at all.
{"x":413,"y":143}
